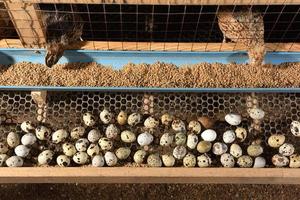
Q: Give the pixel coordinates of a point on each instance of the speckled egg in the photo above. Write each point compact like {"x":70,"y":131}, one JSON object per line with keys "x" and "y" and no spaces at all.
{"x":166,"y":139}
{"x":236,"y":150}
{"x":206,"y":122}
{"x":194,"y":127}
{"x":192,"y":141}
{"x":59,"y":136}
{"x":128,"y":136}
{"x":259,"y":162}
{"x":166,"y":119}
{"x":245,"y":161}
{"x":14,"y":161}
{"x":3,"y":148}
{"x":82,"y":144}
{"x":151,"y":123}
{"x":294,"y":161}
{"x":286,"y":149}
{"x":203,"y":160}
{"x":112,"y":131}
{"x":145,"y":139}
{"x":139,"y":156}
{"x":123,"y":153}
{"x":189,"y":160}
{"x":77,"y":132}
{"x":110,"y":159}
{"x":178,"y":125}
{"x":28,"y":139}
{"x":280,"y":160}
{"x":168,"y":160}
{"x":233,"y":119}
{"x":154,"y":160}
{"x":134,"y":119}
{"x":69,"y":149}
{"x":180,"y":138}
{"x":13,"y":139}
{"x":219,"y":148}
{"x":22,"y":151}
{"x":256,"y":113}
{"x":179,"y":152}
{"x":94,"y":135}
{"x":295,"y":128}
{"x":241,"y":133}
{"x":93,"y":150}
{"x":81,"y":158}
{"x":45,"y":157}
{"x":43,"y":133}
{"x":255,"y":150}
{"x":63,"y":161}
{"x":228,"y":136}
{"x":204,"y":147}
{"x":27,"y":126}
{"x":122,"y":118}
{"x":276,"y":140}
{"x":105,"y":144}
{"x":98,"y":161}
{"x":227,"y":160}
{"x":89,"y":119}
{"x":3,"y":158}
{"x":209,"y":135}
{"x":106,"y":117}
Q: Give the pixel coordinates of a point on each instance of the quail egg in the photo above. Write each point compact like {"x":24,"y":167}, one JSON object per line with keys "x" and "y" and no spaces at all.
{"x":219,"y":148}
{"x":123,"y":153}
{"x":241,"y":133}
{"x":194,"y":127}
{"x":94,"y":135}
{"x":294,"y":161}
{"x":139,"y":156}
{"x":13,"y":139}
{"x":233,"y":119}
{"x":192,"y":141}
{"x":179,"y":152}
{"x":3,"y":158}
{"x":236,"y":150}
{"x":209,"y":135}
{"x":228,"y":136}
{"x":151,"y":123}
{"x":14,"y":161}
{"x":28,"y":139}
{"x":286,"y":149}
{"x":106,"y":117}
{"x":27,"y":126}
{"x":63,"y":161}
{"x":22,"y":151}
{"x":98,"y":161}
{"x":276,"y":140}
{"x":93,"y":150}
{"x":110,"y":159}
{"x":89,"y":119}
{"x":245,"y":161}
{"x":81,"y":158}
{"x":45,"y":157}
{"x":112,"y":131}
{"x":68,"y":149}
{"x":204,"y":160}
{"x":204,"y":147}
{"x":189,"y":160}
{"x":255,"y":150}
{"x":227,"y":160}
{"x":128,"y":136}
{"x":43,"y":133}
{"x":134,"y":119}
{"x":256,"y":113}
{"x":59,"y":136}
{"x":166,"y":139}
{"x":168,"y":160}
{"x":82,"y":144}
{"x":166,"y":119}
{"x":122,"y":118}
{"x":178,"y":125}
{"x":180,"y":138}
{"x":105,"y":144}
{"x":3,"y":148}
{"x":206,"y":122}
{"x":295,"y":128}
{"x":145,"y":139}
{"x":280,"y":160}
{"x":154,"y":160}
{"x":259,"y":162}
{"x":77,"y":132}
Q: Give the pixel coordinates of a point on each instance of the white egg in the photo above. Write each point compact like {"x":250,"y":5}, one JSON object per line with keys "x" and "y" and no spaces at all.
{"x":122,"y":118}
{"x":259,"y":162}
{"x":105,"y":144}
{"x":233,"y":119}
{"x":77,"y":132}
{"x":110,"y":159}
{"x":82,"y":144}
{"x":93,"y":150}
{"x":106,"y":117}
{"x":3,"y":148}
{"x":13,"y":139}
{"x":280,"y":160}
{"x":154,"y":160}
{"x":256,"y":113}
{"x":179,"y":152}
{"x":128,"y":136}
{"x":14,"y":161}
{"x":28,"y":139}
{"x":151,"y":123}
{"x":43,"y":133}
{"x":63,"y":161}
{"x":189,"y":160}
{"x":245,"y":161}
{"x":194,"y":127}
{"x":180,"y":138}
{"x":236,"y":150}
{"x":59,"y":136}
{"x":98,"y":161}
{"x":228,"y":136}
{"x":209,"y":135}
{"x":112,"y":131}
{"x":134,"y":119}
{"x":203,"y":160}
{"x":168,"y":160}
{"x":94,"y":135}
{"x":69,"y":149}
{"x":145,"y":139}
{"x":178,"y":125}
{"x":219,"y":148}
{"x":241,"y":133}
{"x":166,"y":139}
{"x":81,"y":158}
{"x":227,"y":160}
{"x":22,"y":151}
{"x":27,"y":126}
{"x":192,"y":141}
{"x":286,"y":149}
{"x":123,"y":153}
{"x":139,"y":156}
{"x":45,"y":157}
{"x":3,"y":158}
{"x":295,"y":128}
{"x":89,"y":119}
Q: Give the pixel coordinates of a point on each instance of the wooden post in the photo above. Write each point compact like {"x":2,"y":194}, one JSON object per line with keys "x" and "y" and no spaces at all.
{"x":27,"y":23}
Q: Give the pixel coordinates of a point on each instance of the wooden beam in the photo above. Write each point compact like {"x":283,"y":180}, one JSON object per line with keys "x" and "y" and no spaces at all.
{"x":30,"y":30}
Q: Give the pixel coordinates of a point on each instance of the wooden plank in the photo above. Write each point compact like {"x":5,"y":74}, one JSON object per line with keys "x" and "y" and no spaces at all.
{"x":30,"y":29}
{"x":149,"y":175}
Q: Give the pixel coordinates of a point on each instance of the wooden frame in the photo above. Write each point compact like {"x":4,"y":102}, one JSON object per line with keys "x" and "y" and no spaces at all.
{"x":149,"y":175}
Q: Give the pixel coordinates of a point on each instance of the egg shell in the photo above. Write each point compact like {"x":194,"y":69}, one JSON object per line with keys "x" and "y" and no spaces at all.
{"x":227,"y":160}
{"x":233,"y":119}
{"x":259,"y":162}
{"x":81,"y":158}
{"x":295,"y":128}
{"x":45,"y":157}
{"x":14,"y":161}
{"x":139,"y":156}
{"x":22,"y":151}
{"x":192,"y":141}
{"x":229,"y":136}
{"x":286,"y":149}
{"x":294,"y":161}
{"x":194,"y":127}
{"x":203,"y":160}
{"x":134,"y":119}
{"x":241,"y":133}
{"x":219,"y":148}
{"x":151,"y":123}
{"x":189,"y":160}
{"x":178,"y":125}
{"x":69,"y":149}
{"x":166,"y":119}
{"x":209,"y":135}
{"x":28,"y":139}
{"x":3,"y":148}
{"x":236,"y":151}
{"x":166,"y":139}
{"x":255,"y":150}
{"x":77,"y":132}
{"x":110,"y":159}
{"x":3,"y":158}
{"x":59,"y":136}
{"x":168,"y":160}
{"x":206,"y":122}
{"x":13,"y":139}
{"x":105,"y":144}
{"x":276,"y":140}
{"x":180,"y":138}
{"x":154,"y":160}
{"x":280,"y":160}
{"x":123,"y":153}
{"x":204,"y":147}
{"x":42,"y":133}
{"x":112,"y":131}
{"x":98,"y":161}
{"x":89,"y":119}
{"x":128,"y":136}
{"x":245,"y":161}
{"x":93,"y":150}
{"x":63,"y":161}
{"x":145,"y":139}
{"x":27,"y":126}
{"x":94,"y":135}
{"x":106,"y":117}
{"x":179,"y":152}
{"x":122,"y":118}
{"x":256,"y":113}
